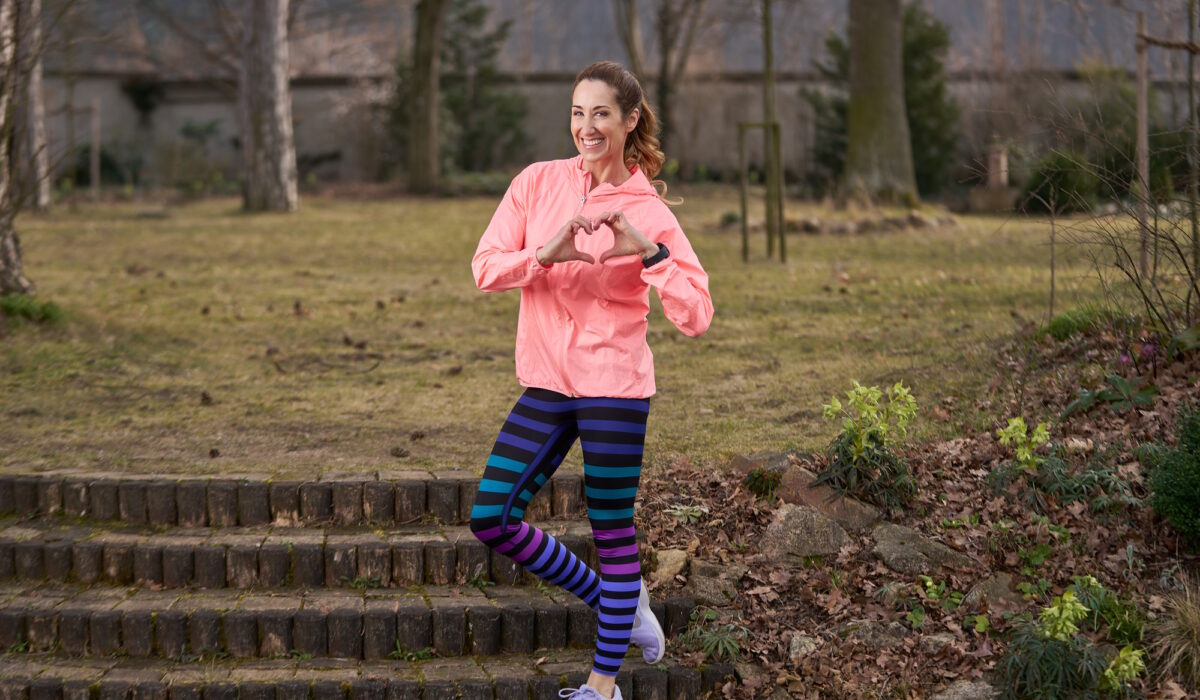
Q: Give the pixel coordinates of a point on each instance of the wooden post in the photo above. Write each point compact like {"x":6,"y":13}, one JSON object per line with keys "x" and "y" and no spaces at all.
{"x":1143,"y":148}
{"x":769,"y":169}
{"x":95,"y":150}
{"x":1191,"y":141}
{"x":775,"y":138}
{"x":745,"y":182}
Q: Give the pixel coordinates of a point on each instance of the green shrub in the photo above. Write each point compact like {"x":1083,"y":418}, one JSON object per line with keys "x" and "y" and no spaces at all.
{"x":716,"y":642}
{"x":1063,"y":178}
{"x":1175,"y":481}
{"x":1081,"y":319}
{"x":22,"y":307}
{"x":1050,"y":659}
{"x":1098,"y":484}
{"x":763,"y":482}
{"x":861,"y":460}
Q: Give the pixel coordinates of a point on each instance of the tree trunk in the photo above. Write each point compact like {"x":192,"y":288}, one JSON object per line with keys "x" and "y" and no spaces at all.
{"x":879,"y":161}
{"x":12,"y":278}
{"x":265,"y":109}
{"x":423,"y":119}
{"x":30,"y":46}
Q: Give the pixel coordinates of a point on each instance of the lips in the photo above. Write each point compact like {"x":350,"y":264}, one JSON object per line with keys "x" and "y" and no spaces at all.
{"x":591,"y":143}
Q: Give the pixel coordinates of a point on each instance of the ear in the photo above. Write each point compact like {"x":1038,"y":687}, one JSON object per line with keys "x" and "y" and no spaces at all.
{"x":631,"y":121}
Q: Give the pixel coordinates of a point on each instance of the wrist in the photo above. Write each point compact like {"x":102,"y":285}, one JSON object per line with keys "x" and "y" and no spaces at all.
{"x":649,"y":250}
{"x":537,"y":255}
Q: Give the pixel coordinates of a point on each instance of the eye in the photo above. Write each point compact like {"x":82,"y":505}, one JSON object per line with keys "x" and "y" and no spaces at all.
{"x":576,"y":113}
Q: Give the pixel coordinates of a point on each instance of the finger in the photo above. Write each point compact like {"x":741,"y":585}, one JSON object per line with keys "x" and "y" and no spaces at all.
{"x":582,"y":222}
{"x":585,"y":257}
{"x":608,"y":254}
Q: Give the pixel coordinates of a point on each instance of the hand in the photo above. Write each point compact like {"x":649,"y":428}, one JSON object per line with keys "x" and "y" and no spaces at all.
{"x":627,"y":240}
{"x":562,"y":248}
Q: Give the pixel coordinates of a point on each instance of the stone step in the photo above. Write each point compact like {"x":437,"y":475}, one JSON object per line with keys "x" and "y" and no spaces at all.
{"x":510,"y":677}
{"x":373,"y":625}
{"x":381,"y":498}
{"x":264,"y":557}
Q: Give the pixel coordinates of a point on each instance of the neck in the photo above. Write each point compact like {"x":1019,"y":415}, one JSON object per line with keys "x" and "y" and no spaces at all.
{"x":613,"y":172}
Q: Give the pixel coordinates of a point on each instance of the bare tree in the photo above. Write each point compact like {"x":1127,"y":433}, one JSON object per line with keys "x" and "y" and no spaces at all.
{"x":12,"y":277}
{"x":675,"y":23}
{"x":879,"y":160}
{"x":251,"y":55}
{"x":423,"y":118}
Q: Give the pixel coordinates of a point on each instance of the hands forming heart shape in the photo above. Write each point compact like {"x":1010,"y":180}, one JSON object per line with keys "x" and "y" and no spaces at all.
{"x":627,"y":240}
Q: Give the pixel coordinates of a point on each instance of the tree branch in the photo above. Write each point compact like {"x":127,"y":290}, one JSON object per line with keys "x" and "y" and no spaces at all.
{"x":216,"y":58}
{"x":625,"y":12}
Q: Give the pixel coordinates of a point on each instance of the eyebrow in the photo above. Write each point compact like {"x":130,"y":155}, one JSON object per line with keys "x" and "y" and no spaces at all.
{"x":594,"y":108}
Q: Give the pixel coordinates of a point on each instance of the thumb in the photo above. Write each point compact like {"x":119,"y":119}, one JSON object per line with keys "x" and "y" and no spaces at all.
{"x":585,"y":258}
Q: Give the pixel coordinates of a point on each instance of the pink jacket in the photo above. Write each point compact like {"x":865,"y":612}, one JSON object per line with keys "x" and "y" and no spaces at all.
{"x":582,"y":327}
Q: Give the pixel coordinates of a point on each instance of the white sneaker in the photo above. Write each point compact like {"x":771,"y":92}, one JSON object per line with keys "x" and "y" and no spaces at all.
{"x":647,"y":633}
{"x":587,"y":692}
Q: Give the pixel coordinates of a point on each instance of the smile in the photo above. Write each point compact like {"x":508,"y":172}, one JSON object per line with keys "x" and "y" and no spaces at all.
{"x":591,"y":143}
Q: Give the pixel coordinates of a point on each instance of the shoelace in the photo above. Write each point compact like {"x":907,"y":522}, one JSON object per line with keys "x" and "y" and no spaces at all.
{"x":581,"y":693}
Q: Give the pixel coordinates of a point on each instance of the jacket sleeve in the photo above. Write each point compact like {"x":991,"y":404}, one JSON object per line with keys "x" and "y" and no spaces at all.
{"x":501,"y":260}
{"x":682,"y":284}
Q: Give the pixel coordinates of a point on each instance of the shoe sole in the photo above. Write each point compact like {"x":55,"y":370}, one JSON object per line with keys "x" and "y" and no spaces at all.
{"x":649,"y":618}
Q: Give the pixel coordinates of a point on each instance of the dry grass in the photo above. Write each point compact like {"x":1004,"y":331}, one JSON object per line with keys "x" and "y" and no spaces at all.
{"x":163,"y":311}
{"x":1176,"y":646}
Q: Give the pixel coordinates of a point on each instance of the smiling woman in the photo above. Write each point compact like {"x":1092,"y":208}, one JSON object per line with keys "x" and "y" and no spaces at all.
{"x":585,"y":239}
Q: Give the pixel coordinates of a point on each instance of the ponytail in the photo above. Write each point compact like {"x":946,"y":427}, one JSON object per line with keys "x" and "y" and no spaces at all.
{"x":642,"y":147}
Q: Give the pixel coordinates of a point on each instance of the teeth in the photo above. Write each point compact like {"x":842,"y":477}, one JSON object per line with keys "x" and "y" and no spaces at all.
{"x":592,"y":142}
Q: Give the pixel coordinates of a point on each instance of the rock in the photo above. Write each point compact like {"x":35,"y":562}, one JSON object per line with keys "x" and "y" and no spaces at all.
{"x":801,"y":531}
{"x":933,"y":643}
{"x":728,"y":572}
{"x":868,"y":225}
{"x":710,"y":591}
{"x":907,"y":551}
{"x":841,"y":228}
{"x":800,"y":647}
{"x":947,"y":220}
{"x":810,"y":224}
{"x":872,"y":634}
{"x":768,"y":460}
{"x":671,"y":562}
{"x":967,"y":690}
{"x":797,"y":488}
{"x":895,"y":223}
{"x":995,"y":593}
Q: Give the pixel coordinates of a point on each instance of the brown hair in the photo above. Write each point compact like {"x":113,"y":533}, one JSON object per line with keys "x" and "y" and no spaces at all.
{"x":641,"y":145}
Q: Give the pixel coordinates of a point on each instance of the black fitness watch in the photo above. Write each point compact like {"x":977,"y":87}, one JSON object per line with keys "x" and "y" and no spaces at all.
{"x":657,"y":257}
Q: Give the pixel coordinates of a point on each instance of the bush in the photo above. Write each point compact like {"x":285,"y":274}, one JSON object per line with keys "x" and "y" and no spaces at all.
{"x":1175,"y":481}
{"x":1082,"y":319}
{"x":763,"y":482}
{"x":1064,"y":179}
{"x":1050,"y":659}
{"x":861,"y":460}
{"x":21,"y":307}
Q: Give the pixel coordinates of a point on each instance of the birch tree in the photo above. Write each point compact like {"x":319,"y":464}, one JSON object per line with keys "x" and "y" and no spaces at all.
{"x":879,"y":162}
{"x":12,"y":276}
{"x":30,"y":47}
{"x":423,"y":116}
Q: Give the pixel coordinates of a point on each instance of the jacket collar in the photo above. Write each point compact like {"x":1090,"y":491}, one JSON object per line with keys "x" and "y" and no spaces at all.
{"x":636,"y":186}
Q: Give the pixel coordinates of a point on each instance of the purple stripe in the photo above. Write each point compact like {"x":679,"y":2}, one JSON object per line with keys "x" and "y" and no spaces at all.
{"x":613,"y":534}
{"x":630,"y":568}
{"x":617,"y":620}
{"x":617,"y":551}
{"x":512,"y":541}
{"x":612,"y":648}
{"x":530,"y":423}
{"x":488,"y":534}
{"x":510,"y":439}
{"x":623,"y":587}
{"x":527,"y":553}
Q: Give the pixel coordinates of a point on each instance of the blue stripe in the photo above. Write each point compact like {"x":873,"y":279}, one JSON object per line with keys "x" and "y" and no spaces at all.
{"x":551,"y":549}
{"x":611,"y":493}
{"x":540,"y":480}
{"x":505,"y":463}
{"x":510,"y":439}
{"x":493,"y":486}
{"x":611,"y":472}
{"x":613,"y":426}
{"x":610,"y":448}
{"x":479,"y":511}
{"x":526,"y":496}
{"x":622,"y":513}
{"x":530,"y":423}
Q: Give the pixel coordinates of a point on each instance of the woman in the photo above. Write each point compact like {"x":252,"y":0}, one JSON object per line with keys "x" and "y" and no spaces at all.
{"x":584,"y":239}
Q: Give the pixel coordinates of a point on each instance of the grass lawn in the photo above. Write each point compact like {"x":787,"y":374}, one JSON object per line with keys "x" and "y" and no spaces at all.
{"x":208,"y":330}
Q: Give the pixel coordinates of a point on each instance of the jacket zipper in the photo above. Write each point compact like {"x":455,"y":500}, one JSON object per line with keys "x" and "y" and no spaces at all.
{"x":587,"y":177}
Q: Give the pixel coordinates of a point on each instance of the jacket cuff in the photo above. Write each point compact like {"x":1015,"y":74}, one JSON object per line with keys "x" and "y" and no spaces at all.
{"x":535,"y":265}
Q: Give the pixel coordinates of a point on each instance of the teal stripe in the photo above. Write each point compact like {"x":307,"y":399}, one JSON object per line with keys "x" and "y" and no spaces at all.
{"x":517,"y":512}
{"x":613,"y":472}
{"x":493,"y":486}
{"x":479,"y":511}
{"x":599,"y":514}
{"x":511,"y":465}
{"x":540,"y":480}
{"x":611,"y":493}
{"x":526,"y":496}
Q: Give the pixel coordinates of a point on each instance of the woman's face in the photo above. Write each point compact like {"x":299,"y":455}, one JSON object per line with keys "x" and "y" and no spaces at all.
{"x":597,"y":125}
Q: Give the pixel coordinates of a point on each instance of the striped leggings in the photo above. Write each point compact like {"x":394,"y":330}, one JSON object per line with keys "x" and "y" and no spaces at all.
{"x":535,"y":438}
